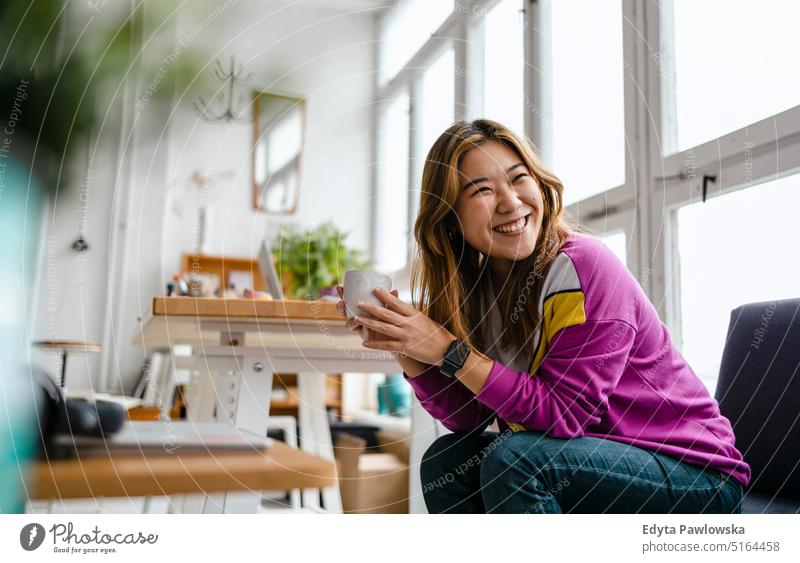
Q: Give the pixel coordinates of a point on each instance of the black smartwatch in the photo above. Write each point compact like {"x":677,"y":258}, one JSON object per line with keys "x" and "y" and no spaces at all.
{"x":454,"y":358}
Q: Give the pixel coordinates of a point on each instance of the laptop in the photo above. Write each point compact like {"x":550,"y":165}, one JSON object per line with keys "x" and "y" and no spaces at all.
{"x":168,"y":437}
{"x":268,"y":272}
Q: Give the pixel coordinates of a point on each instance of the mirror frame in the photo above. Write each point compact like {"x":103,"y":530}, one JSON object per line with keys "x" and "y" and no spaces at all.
{"x":301,"y":101}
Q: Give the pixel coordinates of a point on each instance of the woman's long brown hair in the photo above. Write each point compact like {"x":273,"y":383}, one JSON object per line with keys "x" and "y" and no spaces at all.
{"x":448,"y":275}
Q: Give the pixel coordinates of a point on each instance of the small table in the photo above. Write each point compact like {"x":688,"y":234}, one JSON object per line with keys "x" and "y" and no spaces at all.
{"x":158,"y":473}
{"x":237,"y":346}
{"x":65,"y":347}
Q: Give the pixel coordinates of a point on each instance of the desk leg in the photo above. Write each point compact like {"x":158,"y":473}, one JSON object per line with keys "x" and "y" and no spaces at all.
{"x":315,"y":436}
{"x":201,"y":399}
{"x":232,"y":387}
{"x":252,"y":394}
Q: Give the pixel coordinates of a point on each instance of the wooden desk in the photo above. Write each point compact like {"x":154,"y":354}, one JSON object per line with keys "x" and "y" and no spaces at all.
{"x":238,"y":344}
{"x":156,"y":474}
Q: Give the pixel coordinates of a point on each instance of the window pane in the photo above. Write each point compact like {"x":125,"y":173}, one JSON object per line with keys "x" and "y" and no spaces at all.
{"x":617,"y":243}
{"x":735,"y":63}
{"x":435,"y":107}
{"x":392,"y":204}
{"x":726,"y":260}
{"x":437,"y":100}
{"x":584,"y":125}
{"x":405,"y":29}
{"x":504,"y":65}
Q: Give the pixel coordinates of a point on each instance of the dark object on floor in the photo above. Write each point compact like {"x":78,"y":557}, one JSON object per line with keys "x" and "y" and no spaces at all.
{"x":364,"y":431}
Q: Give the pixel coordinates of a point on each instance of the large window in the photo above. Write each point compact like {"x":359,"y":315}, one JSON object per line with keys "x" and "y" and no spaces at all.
{"x":434,"y":105}
{"x":405,"y":29}
{"x":583,"y":123}
{"x":616,"y":241}
{"x":436,"y":100}
{"x":391,"y":218}
{"x":734,"y":250}
{"x":735,"y":63}
{"x":643,"y":109}
{"x":504,"y":65}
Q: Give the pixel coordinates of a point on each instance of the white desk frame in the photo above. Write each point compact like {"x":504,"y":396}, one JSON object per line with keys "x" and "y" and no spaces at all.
{"x":234,"y":365}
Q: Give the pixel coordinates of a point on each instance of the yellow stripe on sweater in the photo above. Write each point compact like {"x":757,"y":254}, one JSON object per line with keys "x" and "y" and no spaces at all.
{"x":561,"y":310}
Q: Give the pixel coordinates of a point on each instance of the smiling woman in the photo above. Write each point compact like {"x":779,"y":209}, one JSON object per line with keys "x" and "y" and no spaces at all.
{"x":523,"y":319}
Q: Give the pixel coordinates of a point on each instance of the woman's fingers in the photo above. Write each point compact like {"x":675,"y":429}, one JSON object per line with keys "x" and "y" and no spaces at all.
{"x":382,"y":327}
{"x":389,"y":345}
{"x":394,"y":303}
{"x":382,"y":313}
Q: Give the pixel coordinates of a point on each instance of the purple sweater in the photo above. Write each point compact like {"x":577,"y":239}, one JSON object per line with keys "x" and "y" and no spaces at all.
{"x":605,"y":366}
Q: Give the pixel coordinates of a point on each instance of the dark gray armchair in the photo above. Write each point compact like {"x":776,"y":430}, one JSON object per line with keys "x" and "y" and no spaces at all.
{"x":759,"y":392}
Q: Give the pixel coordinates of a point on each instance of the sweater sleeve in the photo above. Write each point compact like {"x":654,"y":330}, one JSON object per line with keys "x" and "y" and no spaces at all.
{"x":449,"y":401}
{"x":570,"y":388}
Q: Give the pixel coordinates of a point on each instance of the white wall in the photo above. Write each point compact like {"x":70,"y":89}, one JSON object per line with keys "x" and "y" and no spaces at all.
{"x":319,"y":54}
{"x":312,"y":51}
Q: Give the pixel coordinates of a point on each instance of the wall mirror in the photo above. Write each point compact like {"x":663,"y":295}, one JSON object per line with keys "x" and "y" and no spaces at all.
{"x":279,"y":125}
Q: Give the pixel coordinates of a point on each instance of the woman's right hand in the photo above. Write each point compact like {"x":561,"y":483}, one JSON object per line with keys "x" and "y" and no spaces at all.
{"x":352,"y":324}
{"x":410,"y":366}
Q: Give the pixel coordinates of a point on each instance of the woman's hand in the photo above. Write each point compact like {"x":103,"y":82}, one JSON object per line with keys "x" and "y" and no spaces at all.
{"x":352,"y":324}
{"x":405,"y":330}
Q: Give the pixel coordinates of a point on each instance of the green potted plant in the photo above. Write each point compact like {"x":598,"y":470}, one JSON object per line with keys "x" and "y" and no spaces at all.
{"x":311,"y":262}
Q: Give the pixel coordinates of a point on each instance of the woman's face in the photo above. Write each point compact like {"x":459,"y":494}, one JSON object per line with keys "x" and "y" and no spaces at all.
{"x":499,"y":207}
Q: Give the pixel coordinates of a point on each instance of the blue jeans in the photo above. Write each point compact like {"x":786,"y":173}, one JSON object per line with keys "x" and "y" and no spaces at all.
{"x":530,"y":472}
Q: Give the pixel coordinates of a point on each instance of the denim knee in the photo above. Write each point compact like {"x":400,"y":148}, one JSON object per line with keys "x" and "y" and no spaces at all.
{"x":510,"y":480}
{"x":442,"y":456}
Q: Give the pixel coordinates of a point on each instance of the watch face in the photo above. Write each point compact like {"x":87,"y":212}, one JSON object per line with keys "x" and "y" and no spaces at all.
{"x":460,"y":352}
{"x":454,"y":358}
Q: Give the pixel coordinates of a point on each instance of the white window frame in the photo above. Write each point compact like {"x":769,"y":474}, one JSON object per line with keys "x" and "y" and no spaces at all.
{"x":655,"y":185}
{"x":462,"y":24}
{"x":676,"y":180}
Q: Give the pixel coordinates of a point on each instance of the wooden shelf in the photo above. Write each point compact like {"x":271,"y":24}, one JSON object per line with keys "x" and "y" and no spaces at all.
{"x":154,"y":474}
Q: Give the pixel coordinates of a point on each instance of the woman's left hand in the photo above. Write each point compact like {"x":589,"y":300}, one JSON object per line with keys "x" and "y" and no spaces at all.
{"x":412,"y":333}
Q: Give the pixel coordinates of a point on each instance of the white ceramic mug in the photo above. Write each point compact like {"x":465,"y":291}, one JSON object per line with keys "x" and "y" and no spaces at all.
{"x":359,"y":285}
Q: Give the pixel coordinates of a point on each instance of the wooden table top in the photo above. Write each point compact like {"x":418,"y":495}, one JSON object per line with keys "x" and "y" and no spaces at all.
{"x":155,"y":474}
{"x":246,"y":308}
